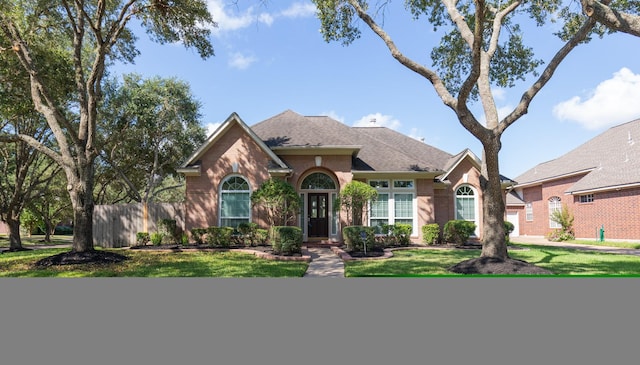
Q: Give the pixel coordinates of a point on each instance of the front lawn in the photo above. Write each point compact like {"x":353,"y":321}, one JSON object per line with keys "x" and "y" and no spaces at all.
{"x":154,"y":264}
{"x":565,"y":262}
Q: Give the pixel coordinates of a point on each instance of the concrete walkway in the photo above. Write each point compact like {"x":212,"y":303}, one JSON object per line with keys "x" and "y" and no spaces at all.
{"x":324,"y":264}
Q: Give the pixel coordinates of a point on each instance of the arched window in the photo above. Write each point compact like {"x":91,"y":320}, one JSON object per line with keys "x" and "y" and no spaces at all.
{"x":465,"y":203}
{"x":318,"y":181}
{"x":235,"y":203}
{"x":555,"y":205}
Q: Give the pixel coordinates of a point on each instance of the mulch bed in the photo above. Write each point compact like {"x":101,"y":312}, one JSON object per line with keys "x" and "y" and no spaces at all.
{"x":178,"y":248}
{"x":488,"y":265}
{"x":74,"y":258}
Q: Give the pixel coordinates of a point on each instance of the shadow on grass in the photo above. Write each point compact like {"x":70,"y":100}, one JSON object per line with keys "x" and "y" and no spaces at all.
{"x":148,"y":264}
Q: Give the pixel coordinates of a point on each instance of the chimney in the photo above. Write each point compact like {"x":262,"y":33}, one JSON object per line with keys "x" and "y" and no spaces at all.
{"x":373,"y":121}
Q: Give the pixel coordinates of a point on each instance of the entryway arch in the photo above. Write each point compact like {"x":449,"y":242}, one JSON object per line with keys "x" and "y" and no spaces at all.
{"x":318,"y":190}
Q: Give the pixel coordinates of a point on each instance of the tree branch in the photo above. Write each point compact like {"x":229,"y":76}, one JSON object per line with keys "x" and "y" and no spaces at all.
{"x":613,"y":19}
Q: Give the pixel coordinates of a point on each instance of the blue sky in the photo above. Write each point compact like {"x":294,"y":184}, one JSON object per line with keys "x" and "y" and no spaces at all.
{"x":273,"y":58}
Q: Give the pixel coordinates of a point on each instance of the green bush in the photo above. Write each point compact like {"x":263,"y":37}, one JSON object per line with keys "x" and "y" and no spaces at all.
{"x":558,"y":235}
{"x":402,"y":233}
{"x":458,"y":231}
{"x":169,"y":229}
{"x":247,"y":233}
{"x":142,"y":238}
{"x":156,"y":238}
{"x":198,"y":235}
{"x":184,"y":239}
{"x":431,"y":233}
{"x":262,"y":236}
{"x":353,"y":238}
{"x":508,"y":228}
{"x":286,"y":240}
{"x":219,"y":236}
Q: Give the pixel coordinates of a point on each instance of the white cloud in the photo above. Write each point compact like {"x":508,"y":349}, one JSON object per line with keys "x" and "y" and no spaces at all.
{"x":380,"y":121}
{"x":211,"y":127}
{"x":230,"y":18}
{"x":240,"y":61}
{"x":613,"y":101}
{"x":499,"y":93}
{"x":299,"y":10}
{"x":333,"y":115}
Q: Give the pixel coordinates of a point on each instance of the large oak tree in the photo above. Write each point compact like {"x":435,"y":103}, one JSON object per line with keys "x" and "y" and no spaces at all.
{"x":482,"y":47}
{"x":90,"y":34}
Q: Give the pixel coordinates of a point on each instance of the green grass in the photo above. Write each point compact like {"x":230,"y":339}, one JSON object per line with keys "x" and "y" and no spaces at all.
{"x":564,"y":262}
{"x":620,"y":244}
{"x":36,"y":240}
{"x":154,"y":264}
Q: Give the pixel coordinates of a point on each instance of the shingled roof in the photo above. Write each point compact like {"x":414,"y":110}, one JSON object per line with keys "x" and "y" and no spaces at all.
{"x":609,"y":160}
{"x":378,"y":148}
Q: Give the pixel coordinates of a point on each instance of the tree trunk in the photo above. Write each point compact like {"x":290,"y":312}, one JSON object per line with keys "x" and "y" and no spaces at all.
{"x":493,"y":238}
{"x":81,"y":194}
{"x":15,"y":242}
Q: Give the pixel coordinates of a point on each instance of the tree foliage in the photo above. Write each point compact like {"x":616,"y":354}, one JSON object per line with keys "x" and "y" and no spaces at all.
{"x":353,"y":198}
{"x":279,"y":199}
{"x":87,"y":36}
{"x":151,"y":125}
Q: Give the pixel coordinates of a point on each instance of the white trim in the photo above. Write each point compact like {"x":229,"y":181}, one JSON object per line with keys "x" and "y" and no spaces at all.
{"x":476,"y":206}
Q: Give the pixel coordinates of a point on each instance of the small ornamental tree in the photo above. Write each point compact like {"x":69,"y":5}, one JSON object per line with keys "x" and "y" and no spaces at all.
{"x":564,"y":218}
{"x":353,"y":198}
{"x":279,"y":199}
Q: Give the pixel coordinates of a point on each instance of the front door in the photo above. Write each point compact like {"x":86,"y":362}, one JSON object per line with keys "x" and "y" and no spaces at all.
{"x":318,"y":217}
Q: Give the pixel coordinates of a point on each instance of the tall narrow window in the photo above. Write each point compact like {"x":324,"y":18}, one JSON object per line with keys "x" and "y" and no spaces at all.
{"x":555,"y":205}
{"x":528,"y":212}
{"x":235,"y":203}
{"x":379,"y":211}
{"x":403,"y":208}
{"x":465,"y":203}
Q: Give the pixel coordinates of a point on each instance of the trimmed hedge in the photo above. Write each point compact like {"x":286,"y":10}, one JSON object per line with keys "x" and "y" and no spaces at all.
{"x":219,"y":236}
{"x":431,"y":233}
{"x":354,"y":240}
{"x":458,"y":231}
{"x":142,"y":238}
{"x":198,"y":235}
{"x":286,"y":240}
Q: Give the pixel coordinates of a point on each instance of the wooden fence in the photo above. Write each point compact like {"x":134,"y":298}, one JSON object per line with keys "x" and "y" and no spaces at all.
{"x":117,"y":225}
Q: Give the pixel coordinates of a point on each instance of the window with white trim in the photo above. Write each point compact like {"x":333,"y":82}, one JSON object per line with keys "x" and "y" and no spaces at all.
{"x":555,"y":205}
{"x":587,"y":198}
{"x":235,"y":202}
{"x":395,"y":203}
{"x":528,"y":212}
{"x":465,"y":203}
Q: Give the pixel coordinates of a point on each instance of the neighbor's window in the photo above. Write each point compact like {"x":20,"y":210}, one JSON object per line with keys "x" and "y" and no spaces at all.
{"x":528,"y":212}
{"x":555,"y":205}
{"x":588,"y":198}
{"x":235,"y":203}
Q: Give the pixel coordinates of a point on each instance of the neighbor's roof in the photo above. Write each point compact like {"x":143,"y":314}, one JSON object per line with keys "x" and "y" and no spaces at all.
{"x":375,"y":148}
{"x":609,"y":160}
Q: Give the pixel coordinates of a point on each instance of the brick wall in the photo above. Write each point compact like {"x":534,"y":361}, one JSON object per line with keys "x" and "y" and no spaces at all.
{"x":618,"y":210}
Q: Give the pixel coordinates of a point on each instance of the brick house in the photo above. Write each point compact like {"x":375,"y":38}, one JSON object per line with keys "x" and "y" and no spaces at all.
{"x":417,"y":183}
{"x":599,"y":182}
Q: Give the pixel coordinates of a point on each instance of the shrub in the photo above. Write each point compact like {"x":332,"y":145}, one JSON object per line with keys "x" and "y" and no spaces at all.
{"x":458,"y":231}
{"x":565,"y":219}
{"x":219,"y":236}
{"x":508,"y":228}
{"x":280,"y":200}
{"x":431,"y":233}
{"x":142,"y":238}
{"x":198,"y":235}
{"x":248,"y":233}
{"x":558,"y":235}
{"x":353,"y":238}
{"x":262,"y":236}
{"x":156,"y":238}
{"x":402,"y":233}
{"x":286,"y":240}
{"x":184,"y":239}
{"x":353,"y":198}
{"x":169,"y":228}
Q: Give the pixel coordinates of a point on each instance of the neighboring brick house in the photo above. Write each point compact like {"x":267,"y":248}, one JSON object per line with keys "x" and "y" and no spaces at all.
{"x":599,"y":181}
{"x":417,"y":183}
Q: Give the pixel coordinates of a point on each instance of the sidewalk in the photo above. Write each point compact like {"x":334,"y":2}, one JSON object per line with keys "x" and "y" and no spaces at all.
{"x":539,"y":240}
{"x":324,"y":263}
